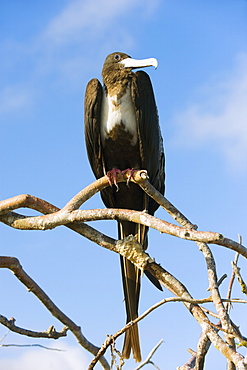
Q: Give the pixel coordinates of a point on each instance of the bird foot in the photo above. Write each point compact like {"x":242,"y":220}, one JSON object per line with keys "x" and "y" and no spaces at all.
{"x":130,"y":172}
{"x":112,"y":176}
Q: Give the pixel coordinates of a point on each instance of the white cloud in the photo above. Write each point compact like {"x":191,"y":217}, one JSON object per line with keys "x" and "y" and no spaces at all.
{"x":72,"y":358}
{"x":72,"y":41}
{"x":81,"y":19}
{"x":220,"y":118}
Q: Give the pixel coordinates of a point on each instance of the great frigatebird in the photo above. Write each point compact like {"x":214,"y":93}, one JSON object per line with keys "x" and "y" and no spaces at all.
{"x":122,"y":132}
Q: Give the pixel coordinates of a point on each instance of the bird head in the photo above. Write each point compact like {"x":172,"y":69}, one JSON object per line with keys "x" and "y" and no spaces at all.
{"x":118,"y":63}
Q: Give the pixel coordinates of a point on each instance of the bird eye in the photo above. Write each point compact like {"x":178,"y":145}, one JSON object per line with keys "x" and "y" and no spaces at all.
{"x":117,"y":57}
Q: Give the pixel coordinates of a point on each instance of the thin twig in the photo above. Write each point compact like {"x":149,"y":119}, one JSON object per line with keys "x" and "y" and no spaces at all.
{"x":14,"y":265}
{"x":111,"y":338}
{"x":33,"y":345}
{"x":51,"y":333}
{"x":149,"y":356}
{"x":236,"y":270}
{"x":229,"y":292}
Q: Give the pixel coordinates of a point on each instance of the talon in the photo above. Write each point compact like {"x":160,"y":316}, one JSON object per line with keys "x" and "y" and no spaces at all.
{"x":112,"y":177}
{"x":109,"y":179}
{"x":130,"y":172}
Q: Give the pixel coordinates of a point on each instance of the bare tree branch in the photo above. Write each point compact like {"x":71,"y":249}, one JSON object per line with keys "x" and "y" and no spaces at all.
{"x":32,"y":345}
{"x":50,"y":333}
{"x":236,"y":272}
{"x":112,"y":338}
{"x":63,"y":217}
{"x":73,"y":218}
{"x":69,"y":214}
{"x":228,"y":305}
{"x":149,"y":356}
{"x":14,"y":265}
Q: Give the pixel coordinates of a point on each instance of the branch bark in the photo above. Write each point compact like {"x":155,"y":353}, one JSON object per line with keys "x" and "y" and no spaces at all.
{"x":70,"y":215}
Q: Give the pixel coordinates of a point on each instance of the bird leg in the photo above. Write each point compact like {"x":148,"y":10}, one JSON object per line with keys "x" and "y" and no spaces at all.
{"x":130,"y":172}
{"x":112,"y":176}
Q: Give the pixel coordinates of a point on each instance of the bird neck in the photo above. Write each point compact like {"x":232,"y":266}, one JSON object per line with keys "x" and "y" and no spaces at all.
{"x":116,"y":82}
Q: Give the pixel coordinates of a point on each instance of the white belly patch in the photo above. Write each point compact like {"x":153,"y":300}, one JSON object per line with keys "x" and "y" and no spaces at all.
{"x":118,"y":112}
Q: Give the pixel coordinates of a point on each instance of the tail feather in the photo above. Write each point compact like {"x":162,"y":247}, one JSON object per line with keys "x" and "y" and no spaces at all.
{"x":131,"y":285}
{"x":131,"y":342}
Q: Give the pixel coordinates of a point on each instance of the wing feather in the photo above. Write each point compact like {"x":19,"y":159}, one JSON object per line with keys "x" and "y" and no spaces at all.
{"x":92,"y":110}
{"x":150,"y":139}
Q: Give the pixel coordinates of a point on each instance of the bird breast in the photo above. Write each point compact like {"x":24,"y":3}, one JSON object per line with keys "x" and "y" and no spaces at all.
{"x":118,"y":115}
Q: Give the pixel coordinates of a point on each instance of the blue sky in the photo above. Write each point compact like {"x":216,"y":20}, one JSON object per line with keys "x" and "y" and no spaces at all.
{"x":49,"y":51}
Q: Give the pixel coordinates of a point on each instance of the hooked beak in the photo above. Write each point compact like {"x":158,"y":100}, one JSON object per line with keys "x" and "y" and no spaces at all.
{"x":139,"y":63}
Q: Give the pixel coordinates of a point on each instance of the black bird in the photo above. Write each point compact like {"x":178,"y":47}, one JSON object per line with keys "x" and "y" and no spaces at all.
{"x":122,"y":132}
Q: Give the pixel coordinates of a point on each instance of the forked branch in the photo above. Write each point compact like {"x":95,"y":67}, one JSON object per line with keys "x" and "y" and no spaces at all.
{"x":14,"y":265}
{"x":75,"y":219}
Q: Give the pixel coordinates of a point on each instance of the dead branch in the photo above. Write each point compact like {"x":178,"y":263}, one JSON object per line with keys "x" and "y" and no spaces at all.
{"x":190,"y":364}
{"x":149,"y":356}
{"x":142,"y":260}
{"x":73,"y":218}
{"x":224,"y":317}
{"x":14,"y":265}
{"x":197,"y":359}
{"x":229,"y":292}
{"x":64,"y":217}
{"x":32,"y":345}
{"x":112,"y":338}
{"x":50,"y":333}
{"x":236,"y":272}
{"x":69,"y":215}
{"x":203,"y":346}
